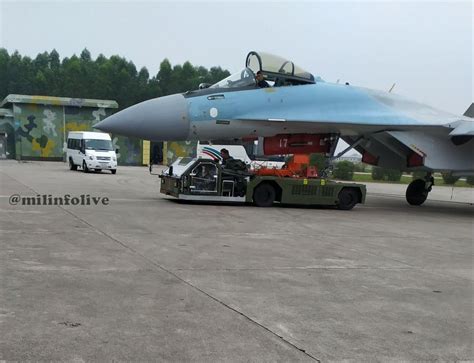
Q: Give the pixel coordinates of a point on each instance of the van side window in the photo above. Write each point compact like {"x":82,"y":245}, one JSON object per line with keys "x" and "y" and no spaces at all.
{"x":73,"y":144}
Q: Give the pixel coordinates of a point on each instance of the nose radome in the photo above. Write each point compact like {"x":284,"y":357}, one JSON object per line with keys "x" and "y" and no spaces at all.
{"x":159,"y":119}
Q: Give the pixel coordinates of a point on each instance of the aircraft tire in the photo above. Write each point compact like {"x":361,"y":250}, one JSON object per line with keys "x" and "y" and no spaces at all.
{"x":348,"y":198}
{"x":416,"y":193}
{"x":114,"y":171}
{"x":264,"y":195}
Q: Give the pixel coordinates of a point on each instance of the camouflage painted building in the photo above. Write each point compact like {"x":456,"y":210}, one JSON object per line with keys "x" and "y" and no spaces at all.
{"x":7,"y":145}
{"x":36,"y":128}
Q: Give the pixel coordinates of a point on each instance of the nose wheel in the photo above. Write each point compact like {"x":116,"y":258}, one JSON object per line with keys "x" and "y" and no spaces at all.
{"x":418,"y":190}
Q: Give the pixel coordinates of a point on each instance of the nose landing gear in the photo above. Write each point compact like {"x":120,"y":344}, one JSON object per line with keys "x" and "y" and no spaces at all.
{"x":418,"y":190}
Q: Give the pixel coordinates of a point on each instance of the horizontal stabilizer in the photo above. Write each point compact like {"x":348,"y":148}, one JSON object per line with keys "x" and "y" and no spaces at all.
{"x":470,"y":111}
{"x":463,"y":128}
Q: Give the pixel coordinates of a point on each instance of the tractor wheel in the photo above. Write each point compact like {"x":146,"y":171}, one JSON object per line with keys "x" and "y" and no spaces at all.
{"x":264,"y":195}
{"x":348,"y":198}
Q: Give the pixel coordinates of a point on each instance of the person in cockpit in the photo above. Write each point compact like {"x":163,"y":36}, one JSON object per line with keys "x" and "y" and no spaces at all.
{"x":260,"y":81}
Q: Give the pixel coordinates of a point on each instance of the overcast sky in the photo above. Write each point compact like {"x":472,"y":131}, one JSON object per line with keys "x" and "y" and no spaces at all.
{"x":425,"y":47}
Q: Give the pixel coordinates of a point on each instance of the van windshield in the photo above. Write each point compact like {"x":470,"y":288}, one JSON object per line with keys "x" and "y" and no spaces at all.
{"x":99,"y":145}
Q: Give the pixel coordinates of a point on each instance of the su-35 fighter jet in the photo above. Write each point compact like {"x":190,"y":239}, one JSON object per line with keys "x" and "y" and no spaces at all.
{"x":291,"y":111}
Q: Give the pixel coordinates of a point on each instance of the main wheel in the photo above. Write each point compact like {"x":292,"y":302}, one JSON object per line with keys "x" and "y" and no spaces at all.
{"x":72,"y":166}
{"x":264,"y":195}
{"x":85,"y":169}
{"x":416,"y":193}
{"x":348,"y":198}
{"x":114,"y":171}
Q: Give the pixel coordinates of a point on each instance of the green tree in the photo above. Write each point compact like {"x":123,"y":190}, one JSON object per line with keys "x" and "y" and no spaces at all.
{"x":41,"y":84}
{"x":377,"y":173}
{"x":54,"y":61}
{"x":393,"y":174}
{"x":4,"y":71}
{"x":216,"y":74}
{"x":449,"y":178}
{"x":319,"y":160}
{"x":344,"y":170}
{"x":71,"y":78}
{"x":419,"y":174}
{"x":85,"y":55}
{"x":360,"y":167}
{"x":104,"y":78}
{"x":20,"y":75}
{"x":164,"y":76}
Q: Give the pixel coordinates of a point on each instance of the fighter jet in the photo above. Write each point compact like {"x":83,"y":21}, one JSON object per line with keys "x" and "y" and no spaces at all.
{"x":291,"y":111}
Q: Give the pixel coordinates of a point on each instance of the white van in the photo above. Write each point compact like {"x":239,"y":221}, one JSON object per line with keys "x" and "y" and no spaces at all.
{"x":91,"y":150}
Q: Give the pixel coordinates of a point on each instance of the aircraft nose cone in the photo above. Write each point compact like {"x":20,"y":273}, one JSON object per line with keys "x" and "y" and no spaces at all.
{"x":159,"y":119}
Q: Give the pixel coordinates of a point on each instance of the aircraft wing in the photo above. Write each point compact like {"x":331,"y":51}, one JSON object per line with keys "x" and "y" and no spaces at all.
{"x":364,"y":110}
{"x":460,"y":127}
{"x":390,"y":135}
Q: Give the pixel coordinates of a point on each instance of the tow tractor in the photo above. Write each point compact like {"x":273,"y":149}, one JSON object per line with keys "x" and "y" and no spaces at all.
{"x":297,"y":183}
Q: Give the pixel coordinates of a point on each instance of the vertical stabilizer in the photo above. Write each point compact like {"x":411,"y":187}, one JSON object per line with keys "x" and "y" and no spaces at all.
{"x":470,"y":111}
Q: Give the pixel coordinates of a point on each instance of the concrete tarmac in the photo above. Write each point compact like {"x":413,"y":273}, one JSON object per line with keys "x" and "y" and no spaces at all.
{"x":145,"y":278}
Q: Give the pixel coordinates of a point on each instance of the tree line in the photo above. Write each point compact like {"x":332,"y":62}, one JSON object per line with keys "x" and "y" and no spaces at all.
{"x":114,"y":78}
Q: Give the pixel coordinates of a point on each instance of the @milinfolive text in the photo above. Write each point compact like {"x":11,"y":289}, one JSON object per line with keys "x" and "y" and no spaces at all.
{"x":66,"y":199}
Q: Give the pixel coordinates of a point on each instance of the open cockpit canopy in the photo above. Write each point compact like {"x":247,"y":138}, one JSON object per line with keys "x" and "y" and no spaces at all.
{"x":277,"y":69}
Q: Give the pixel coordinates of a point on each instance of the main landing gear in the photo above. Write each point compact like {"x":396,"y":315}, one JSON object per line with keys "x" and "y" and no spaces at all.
{"x":418,"y":190}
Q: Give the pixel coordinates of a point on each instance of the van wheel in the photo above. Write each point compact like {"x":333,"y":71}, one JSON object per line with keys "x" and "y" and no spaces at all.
{"x":264,"y":195}
{"x":114,"y":171}
{"x":72,"y":166}
{"x":85,"y":169}
{"x":348,"y":198}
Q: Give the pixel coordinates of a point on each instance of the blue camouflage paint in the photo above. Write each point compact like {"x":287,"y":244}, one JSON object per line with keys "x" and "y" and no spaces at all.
{"x":321,"y":102}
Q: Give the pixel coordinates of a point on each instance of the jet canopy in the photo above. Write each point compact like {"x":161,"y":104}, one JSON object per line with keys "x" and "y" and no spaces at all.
{"x":241,"y":79}
{"x":279,"y":70}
